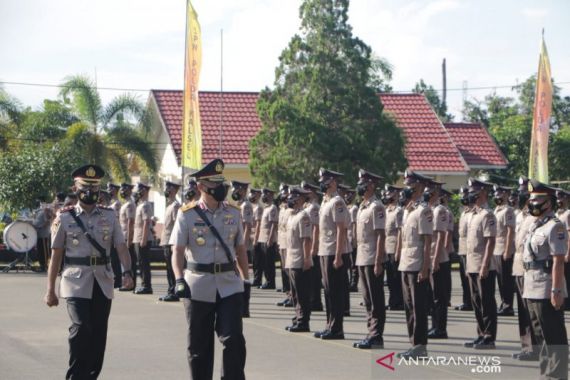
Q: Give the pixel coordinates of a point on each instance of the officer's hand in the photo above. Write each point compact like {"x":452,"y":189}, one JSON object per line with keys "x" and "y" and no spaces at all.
{"x":557,"y":300}
{"x":567,"y":259}
{"x":378,"y":269}
{"x":423,"y":275}
{"x":307,"y":263}
{"x":128,"y":282}
{"x":182,"y":289}
{"x":143,"y":244}
{"x":51,"y":299}
{"x":484,"y":272}
{"x":397,"y":257}
{"x":435,"y":265}
{"x":337,"y":263}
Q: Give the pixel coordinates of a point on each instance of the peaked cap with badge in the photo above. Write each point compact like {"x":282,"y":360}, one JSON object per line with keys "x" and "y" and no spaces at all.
{"x":213,"y":172}
{"x":538,"y":188}
{"x":325,"y":174}
{"x":364,"y":176}
{"x":478,"y":185}
{"x":88,"y":175}
{"x":411,"y":177}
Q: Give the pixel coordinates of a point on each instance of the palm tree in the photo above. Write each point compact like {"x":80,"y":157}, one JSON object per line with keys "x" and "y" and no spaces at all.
{"x":10,"y":116}
{"x":111,"y":136}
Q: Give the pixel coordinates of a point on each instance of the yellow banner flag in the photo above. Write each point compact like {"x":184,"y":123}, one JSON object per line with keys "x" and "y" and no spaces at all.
{"x":538,"y":165}
{"x":191,"y":129}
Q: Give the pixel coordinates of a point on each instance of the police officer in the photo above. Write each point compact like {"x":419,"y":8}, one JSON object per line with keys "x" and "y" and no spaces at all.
{"x":267,"y":237}
{"x":313,"y":207}
{"x":82,"y":240}
{"x":115,"y":205}
{"x":481,"y":269}
{"x":298,"y":259}
{"x":142,"y":237}
{"x":127,"y":222}
{"x":545,"y":246}
{"x":414,"y":247}
{"x":349,"y":198}
{"x":394,"y":215}
{"x":445,"y":197}
{"x":563,"y":213}
{"x":42,"y":222}
{"x":348,"y":195}
{"x":441,"y":268}
{"x":529,"y":348}
{"x":239,"y":195}
{"x":212,"y":285}
{"x":333,"y":221}
{"x":172,"y":205}
{"x":504,"y":249}
{"x":284,"y":212}
{"x":370,"y":259}
{"x":258,"y":258}
{"x":466,"y":214}
{"x":192,"y":193}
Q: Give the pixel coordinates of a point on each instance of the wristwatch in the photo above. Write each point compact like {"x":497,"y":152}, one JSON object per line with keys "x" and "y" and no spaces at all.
{"x":556,"y":290}
{"x":128,"y":272}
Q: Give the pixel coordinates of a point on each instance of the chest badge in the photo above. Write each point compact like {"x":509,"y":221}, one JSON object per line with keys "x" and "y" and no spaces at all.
{"x":75,"y":241}
{"x":200,"y":241}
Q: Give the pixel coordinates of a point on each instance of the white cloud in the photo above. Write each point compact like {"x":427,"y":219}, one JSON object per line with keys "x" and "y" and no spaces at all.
{"x":535,"y":13}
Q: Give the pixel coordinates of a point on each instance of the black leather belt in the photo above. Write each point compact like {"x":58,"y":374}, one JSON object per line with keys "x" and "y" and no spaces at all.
{"x":210,"y":268}
{"x":545,"y":265}
{"x":88,"y":261}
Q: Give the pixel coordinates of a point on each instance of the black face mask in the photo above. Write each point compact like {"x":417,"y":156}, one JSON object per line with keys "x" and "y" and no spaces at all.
{"x":291,"y":202}
{"x":219,"y":192}
{"x":523,"y":198}
{"x":88,"y":197}
{"x":361,"y":189}
{"x":472,"y":198}
{"x":407,"y":193}
{"x":385,"y":200}
{"x":536,"y":209}
{"x":190,"y":194}
{"x":427,"y":196}
{"x":236,"y":196}
{"x":324,"y":186}
{"x":167,"y":193}
{"x":265,"y":199}
{"x":559,"y":203}
{"x":464,"y":201}
{"x":252,"y":198}
{"x":123,"y":193}
{"x":499,"y":201}
{"x":512,"y":202}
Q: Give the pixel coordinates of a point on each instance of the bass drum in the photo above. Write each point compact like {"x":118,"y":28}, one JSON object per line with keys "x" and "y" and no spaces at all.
{"x":20,"y":236}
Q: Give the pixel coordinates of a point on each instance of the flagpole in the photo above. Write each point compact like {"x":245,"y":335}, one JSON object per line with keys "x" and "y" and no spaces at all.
{"x":182,"y":180}
{"x":221,"y":90}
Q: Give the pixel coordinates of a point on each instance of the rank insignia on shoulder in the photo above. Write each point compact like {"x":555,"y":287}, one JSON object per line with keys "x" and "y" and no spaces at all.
{"x":188,"y":206}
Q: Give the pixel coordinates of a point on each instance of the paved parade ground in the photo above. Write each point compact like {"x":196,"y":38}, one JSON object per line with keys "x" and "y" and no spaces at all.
{"x":147,"y":340}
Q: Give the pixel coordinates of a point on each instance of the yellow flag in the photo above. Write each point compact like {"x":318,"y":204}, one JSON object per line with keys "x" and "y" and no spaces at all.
{"x":191,"y":129}
{"x":538,"y":163}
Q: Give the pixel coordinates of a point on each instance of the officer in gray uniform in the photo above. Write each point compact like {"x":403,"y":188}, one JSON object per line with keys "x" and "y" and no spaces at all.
{"x":284,"y":212}
{"x":414,"y":247}
{"x":349,"y":198}
{"x":212,"y":286}
{"x":370,"y":258}
{"x":42,"y":223}
{"x":481,"y":269}
{"x":563,"y":213}
{"x":529,"y":345}
{"x":313,"y":207}
{"x":82,"y":240}
{"x":333,"y":221}
{"x":348,"y":195}
{"x":267,"y":237}
{"x":239,"y":195}
{"x":115,"y":205}
{"x":545,"y":246}
{"x":298,"y":259}
{"x":172,"y":206}
{"x":394,"y":216}
{"x":462,"y":248}
{"x":142,"y":237}
{"x":258,"y":257}
{"x":127,"y":222}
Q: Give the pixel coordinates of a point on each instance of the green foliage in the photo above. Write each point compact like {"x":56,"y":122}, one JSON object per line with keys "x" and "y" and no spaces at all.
{"x":324,"y":109}
{"x":513,"y":137}
{"x":433,"y":98}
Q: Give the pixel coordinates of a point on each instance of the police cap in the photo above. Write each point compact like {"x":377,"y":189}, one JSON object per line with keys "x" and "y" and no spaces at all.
{"x":212,"y":172}
{"x":364,"y":176}
{"x":88,"y":175}
{"x":411,"y":177}
{"x":538,"y":188}
{"x":325,"y":174}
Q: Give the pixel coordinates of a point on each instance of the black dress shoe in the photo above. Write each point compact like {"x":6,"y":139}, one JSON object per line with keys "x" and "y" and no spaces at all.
{"x":143,"y":291}
{"x":279,"y":290}
{"x":473,"y":342}
{"x":528,"y":356}
{"x":464,"y":307}
{"x":318,"y":334}
{"x":169,"y":298}
{"x":245,"y":314}
{"x":353,"y":288}
{"x":485,"y":344}
{"x":367,"y":344}
{"x":346,"y":313}
{"x":282,"y":303}
{"x":414,"y":353}
{"x":300,"y":328}
{"x":121,"y":289}
{"x":288,"y":303}
{"x":256,"y":284}
{"x":508,"y":312}
{"x":329,"y":335}
{"x":267,"y":286}
{"x":436,"y":334}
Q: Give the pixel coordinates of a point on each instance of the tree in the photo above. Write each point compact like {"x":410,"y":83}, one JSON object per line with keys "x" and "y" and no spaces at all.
{"x":324,"y":109}
{"x":9,"y":117}
{"x":432,"y":96}
{"x":106,"y":135}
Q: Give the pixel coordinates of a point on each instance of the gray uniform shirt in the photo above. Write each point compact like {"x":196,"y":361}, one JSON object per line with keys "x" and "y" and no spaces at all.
{"x":463,"y":225}
{"x":142,"y":214}
{"x":127,"y":212}
{"x":394,"y":216}
{"x":284,"y":214}
{"x":524,"y":220}
{"x":333,"y":210}
{"x":450,"y":229}
{"x":505,"y":218}
{"x":42,"y":223}
{"x":202,"y":247}
{"x":440,"y":224}
{"x":246,"y":209}
{"x":482,"y":224}
{"x":169,"y":219}
{"x":418,"y":221}
{"x":370,"y":219}
{"x":269,"y":217}
{"x":297,"y":229}
{"x":353,"y":213}
{"x":545,"y":240}
{"x":78,"y":280}
{"x":116,"y":206}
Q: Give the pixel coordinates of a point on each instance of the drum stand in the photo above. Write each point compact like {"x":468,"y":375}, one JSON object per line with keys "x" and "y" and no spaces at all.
{"x":25,"y":259}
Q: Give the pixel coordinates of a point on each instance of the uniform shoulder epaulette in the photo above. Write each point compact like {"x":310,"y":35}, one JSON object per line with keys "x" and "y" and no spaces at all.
{"x":556,"y":220}
{"x":188,"y":206}
{"x":66,"y":209}
{"x":234,"y":206}
{"x":105,"y":208}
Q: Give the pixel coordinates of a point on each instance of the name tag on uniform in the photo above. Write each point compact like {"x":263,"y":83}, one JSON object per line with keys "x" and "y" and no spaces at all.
{"x":199,"y":224}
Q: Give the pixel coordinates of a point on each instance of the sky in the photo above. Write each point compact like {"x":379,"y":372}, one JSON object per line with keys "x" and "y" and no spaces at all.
{"x":489,"y":45}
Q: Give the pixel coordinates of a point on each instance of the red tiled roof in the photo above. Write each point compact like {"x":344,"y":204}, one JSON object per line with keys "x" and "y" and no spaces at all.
{"x":429,"y":147}
{"x":476,"y":145}
{"x":240,"y":122}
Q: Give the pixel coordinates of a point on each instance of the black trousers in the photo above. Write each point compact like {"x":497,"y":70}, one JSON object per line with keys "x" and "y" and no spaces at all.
{"x":567,"y":276}
{"x":416,"y":301}
{"x":528,"y":340}
{"x":258,"y":264}
{"x":134,"y":265}
{"x":316,"y":283}
{"x":466,"y":297}
{"x":284,"y":273}
{"x":347,"y":264}
{"x":484,"y":304}
{"x":270,"y":254}
{"x":43,"y":251}
{"x":441,"y":284}
{"x":301,"y":288}
{"x":353,"y":269}
{"x":169,"y":272}
{"x":116,"y":266}
{"x":223,"y":317}
{"x":87,"y":334}
{"x":335,"y":286}
{"x":550,"y":331}
{"x":372,"y":288}
{"x":506,"y":281}
{"x":394,"y":279}
{"x":143,"y":256}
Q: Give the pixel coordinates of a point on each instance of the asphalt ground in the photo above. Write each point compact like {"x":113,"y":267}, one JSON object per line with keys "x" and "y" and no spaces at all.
{"x":147,"y":339}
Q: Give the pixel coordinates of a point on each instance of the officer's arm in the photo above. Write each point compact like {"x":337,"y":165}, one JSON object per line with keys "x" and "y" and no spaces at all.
{"x":247,"y":233}
{"x":178,"y":261}
{"x":243,"y":265}
{"x":271,"y":232}
{"x":510,"y":240}
{"x":315,"y":241}
{"x":489,"y":248}
{"x":124,"y":256}
{"x":146,"y":227}
{"x":380,"y":248}
{"x":398,"y":245}
{"x":427,"y":249}
{"x":130,"y":231}
{"x":340,"y":239}
{"x":257,"y":229}
{"x":439,"y":245}
{"x":53,"y":270}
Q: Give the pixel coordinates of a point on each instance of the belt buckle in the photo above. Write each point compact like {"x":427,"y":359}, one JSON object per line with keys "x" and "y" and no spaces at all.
{"x":92,"y":260}
{"x":217,"y":268}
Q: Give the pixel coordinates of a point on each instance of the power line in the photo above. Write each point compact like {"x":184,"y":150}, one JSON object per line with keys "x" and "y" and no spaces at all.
{"x":477,"y":88}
